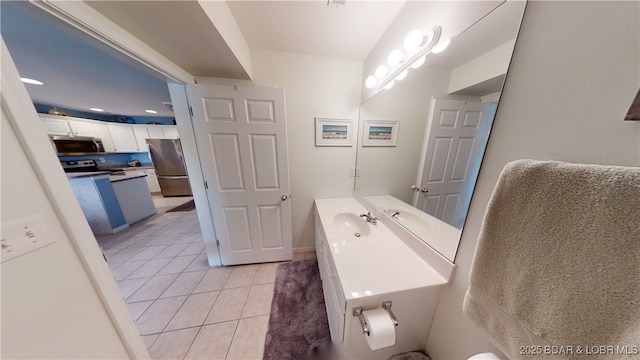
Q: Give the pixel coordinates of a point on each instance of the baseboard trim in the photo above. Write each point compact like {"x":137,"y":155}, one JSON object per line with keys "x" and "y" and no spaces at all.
{"x":304,"y":249}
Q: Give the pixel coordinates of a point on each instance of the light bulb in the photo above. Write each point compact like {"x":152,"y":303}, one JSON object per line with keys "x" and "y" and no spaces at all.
{"x":441,"y":47}
{"x":96,"y":109}
{"x":31,"y":81}
{"x":416,"y":64}
{"x":381,"y":71}
{"x":402,"y":75}
{"x":413,"y":40}
{"x":370,"y":82}
{"x":389,"y":84}
{"x":395,"y":57}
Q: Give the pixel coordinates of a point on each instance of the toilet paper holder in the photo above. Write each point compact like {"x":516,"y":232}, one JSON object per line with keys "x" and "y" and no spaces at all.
{"x":357,"y":312}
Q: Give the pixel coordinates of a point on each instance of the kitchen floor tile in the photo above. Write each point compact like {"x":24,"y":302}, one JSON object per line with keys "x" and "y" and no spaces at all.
{"x":258,"y":301}
{"x":147,"y":253}
{"x":171,"y":251}
{"x":158,"y":315}
{"x":153,"y":288}
{"x":266,"y":273}
{"x":214,"y":279}
{"x":194,"y":311}
{"x":148,"y":340}
{"x":184,"y":284}
{"x":173,"y":344}
{"x":193,"y":248}
{"x":200,"y":263}
{"x":248,"y":340}
{"x":128,"y":287}
{"x":177,"y":265}
{"x":241,"y":275}
{"x":228,"y":306}
{"x":213,"y":341}
{"x":150,"y":268}
{"x":123,"y":270}
{"x":138,"y":308}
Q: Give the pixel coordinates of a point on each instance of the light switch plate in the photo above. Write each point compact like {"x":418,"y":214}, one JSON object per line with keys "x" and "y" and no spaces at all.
{"x":22,"y":236}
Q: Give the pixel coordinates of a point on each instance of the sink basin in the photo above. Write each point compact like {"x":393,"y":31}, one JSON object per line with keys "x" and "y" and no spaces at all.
{"x":349,"y":224}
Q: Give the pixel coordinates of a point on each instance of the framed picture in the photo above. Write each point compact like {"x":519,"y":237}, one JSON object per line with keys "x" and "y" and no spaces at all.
{"x":380,"y":132}
{"x":334,"y":132}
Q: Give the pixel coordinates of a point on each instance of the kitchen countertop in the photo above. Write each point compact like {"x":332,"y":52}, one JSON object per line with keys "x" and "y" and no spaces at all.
{"x":116,"y":178}
{"x":88,"y":174}
{"x":103,"y":174}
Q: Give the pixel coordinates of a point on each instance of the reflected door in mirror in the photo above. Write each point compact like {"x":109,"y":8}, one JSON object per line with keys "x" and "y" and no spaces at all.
{"x":455,"y":142}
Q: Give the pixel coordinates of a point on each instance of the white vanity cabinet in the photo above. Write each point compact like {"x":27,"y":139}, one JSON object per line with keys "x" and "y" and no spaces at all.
{"x":375,"y":266}
{"x":335,"y":302}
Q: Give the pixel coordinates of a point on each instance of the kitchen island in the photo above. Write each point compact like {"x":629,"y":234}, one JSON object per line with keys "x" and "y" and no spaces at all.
{"x":112,"y":202}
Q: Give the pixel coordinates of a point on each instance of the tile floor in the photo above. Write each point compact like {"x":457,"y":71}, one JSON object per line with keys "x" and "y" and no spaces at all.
{"x":183,"y":308}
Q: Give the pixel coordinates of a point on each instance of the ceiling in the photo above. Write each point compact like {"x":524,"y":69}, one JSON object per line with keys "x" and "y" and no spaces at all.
{"x":79,"y":73}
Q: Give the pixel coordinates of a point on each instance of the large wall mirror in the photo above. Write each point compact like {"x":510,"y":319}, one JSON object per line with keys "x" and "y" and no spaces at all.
{"x":421,"y":142}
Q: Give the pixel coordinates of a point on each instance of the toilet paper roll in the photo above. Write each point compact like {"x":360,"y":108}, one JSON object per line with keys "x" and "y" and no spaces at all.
{"x":382,"y":332}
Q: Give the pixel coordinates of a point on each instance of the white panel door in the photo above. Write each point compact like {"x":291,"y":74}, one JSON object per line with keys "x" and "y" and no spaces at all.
{"x":454,"y":145}
{"x":242,"y":142}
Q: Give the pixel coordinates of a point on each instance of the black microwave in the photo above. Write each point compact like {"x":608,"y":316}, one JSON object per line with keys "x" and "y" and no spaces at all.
{"x":77,"y":145}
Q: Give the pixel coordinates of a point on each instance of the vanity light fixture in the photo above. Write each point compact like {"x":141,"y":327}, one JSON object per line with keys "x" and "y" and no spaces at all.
{"x":31,"y":81}
{"x":96,"y":109}
{"x":416,"y":45}
{"x":151,"y":111}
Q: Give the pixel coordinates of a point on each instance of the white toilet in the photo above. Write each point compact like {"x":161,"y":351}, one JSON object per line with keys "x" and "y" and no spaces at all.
{"x":484,"y":356}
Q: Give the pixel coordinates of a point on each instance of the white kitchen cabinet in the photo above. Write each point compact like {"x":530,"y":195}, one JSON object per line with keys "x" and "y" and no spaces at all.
{"x":56,"y":126}
{"x":170,"y":132}
{"x":82,"y":128}
{"x":155,"y":132}
{"x":123,"y":138}
{"x":152,"y":180}
{"x":141,"y":134}
{"x":102,"y":133}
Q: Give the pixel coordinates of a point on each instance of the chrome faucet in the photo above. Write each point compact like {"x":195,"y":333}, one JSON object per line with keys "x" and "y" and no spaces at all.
{"x":370,"y":218}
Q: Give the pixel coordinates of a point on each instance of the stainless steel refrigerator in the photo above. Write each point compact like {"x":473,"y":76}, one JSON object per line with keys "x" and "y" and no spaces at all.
{"x":167,"y":158}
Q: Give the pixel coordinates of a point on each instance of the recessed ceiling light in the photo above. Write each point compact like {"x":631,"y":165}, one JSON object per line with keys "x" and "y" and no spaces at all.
{"x":151,"y":111}
{"x":31,"y":81}
{"x":96,"y":109}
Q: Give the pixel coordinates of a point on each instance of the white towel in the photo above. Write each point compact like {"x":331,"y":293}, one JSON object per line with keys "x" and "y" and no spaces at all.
{"x":556,"y":272}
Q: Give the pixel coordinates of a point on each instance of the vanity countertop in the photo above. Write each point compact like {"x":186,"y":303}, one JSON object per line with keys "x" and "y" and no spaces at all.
{"x":372,"y":264}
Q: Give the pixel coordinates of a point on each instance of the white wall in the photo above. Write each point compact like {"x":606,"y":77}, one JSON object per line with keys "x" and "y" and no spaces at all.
{"x":50,"y":309}
{"x":314,"y":87}
{"x":392,"y":170}
{"x":574,"y":73}
{"x":52,"y":305}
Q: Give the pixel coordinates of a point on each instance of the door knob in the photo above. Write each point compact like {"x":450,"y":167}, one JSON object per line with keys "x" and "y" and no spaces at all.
{"x":284,"y":197}
{"x":424,"y":190}
{"x":414,"y":188}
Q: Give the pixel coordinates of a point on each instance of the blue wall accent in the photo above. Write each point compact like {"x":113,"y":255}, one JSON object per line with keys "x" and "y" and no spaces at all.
{"x":44,"y":109}
{"x":110,"y":201}
{"x":111,"y":160}
{"x":143,"y":157}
